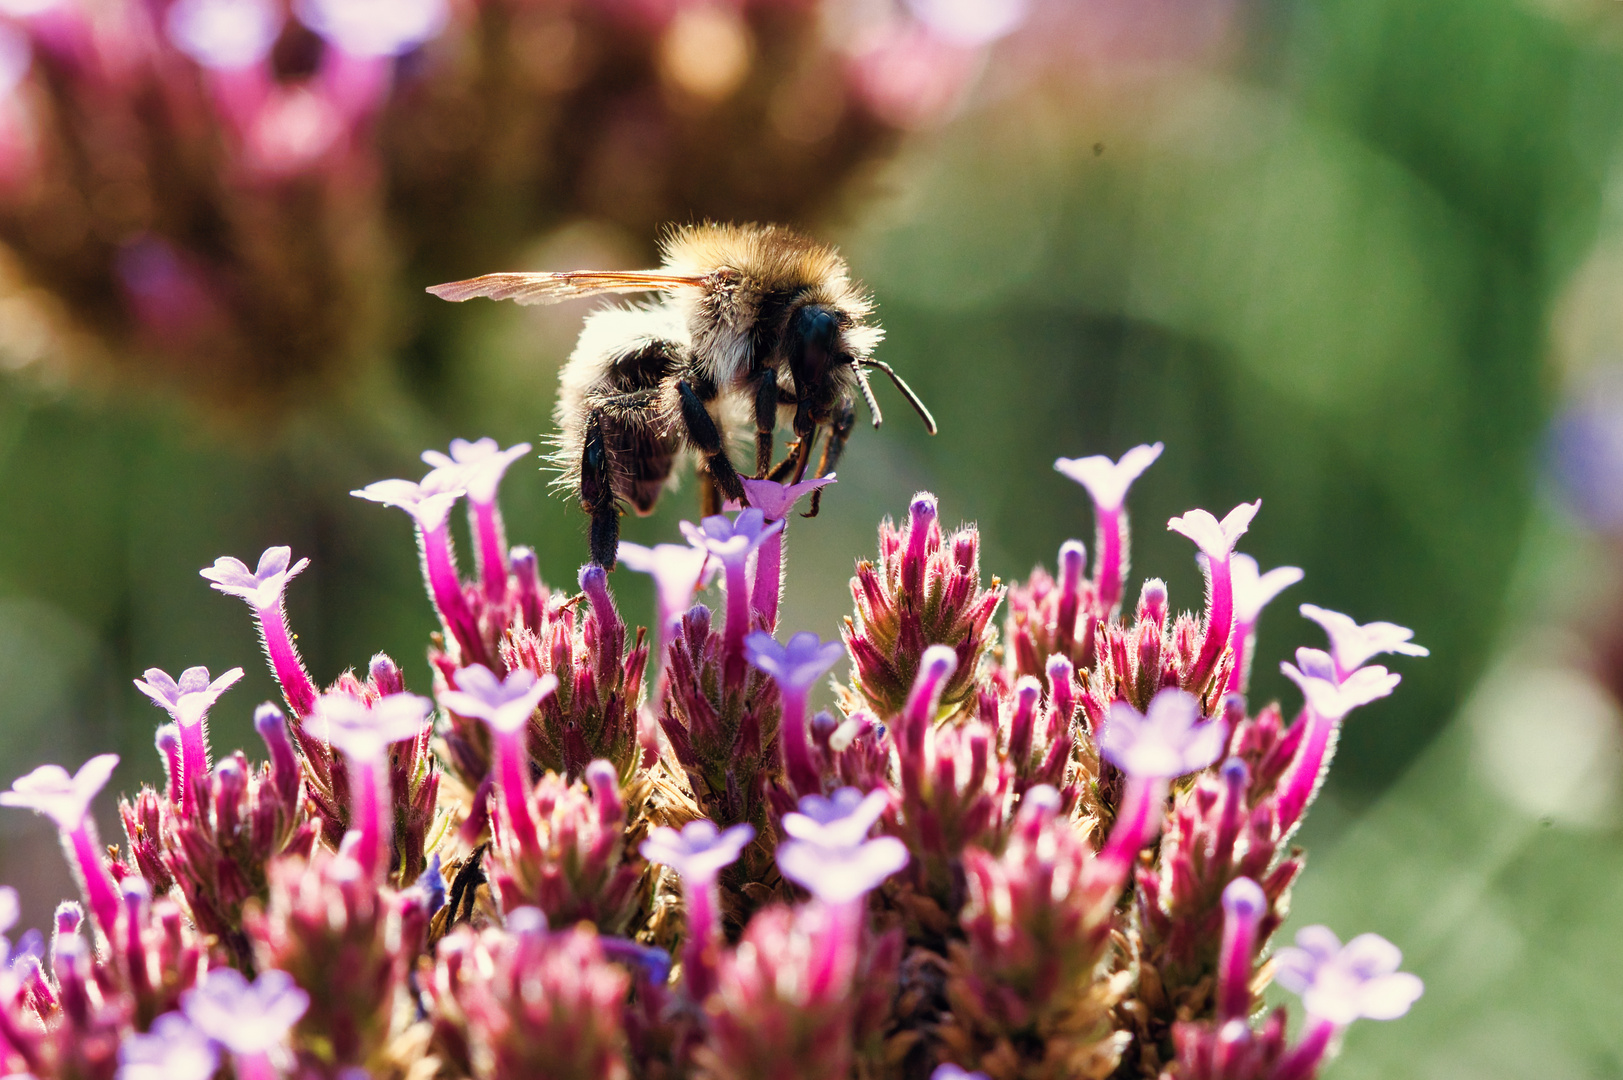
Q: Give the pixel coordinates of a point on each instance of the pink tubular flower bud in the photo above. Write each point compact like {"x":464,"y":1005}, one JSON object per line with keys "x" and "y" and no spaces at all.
{"x":1243,"y":908}
{"x":1072,"y":563}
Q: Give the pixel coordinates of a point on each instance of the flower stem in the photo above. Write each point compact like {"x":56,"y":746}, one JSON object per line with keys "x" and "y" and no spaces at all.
{"x":1297,"y":788}
{"x":487,"y":525}
{"x":1303,"y":1059}
{"x":1138,"y":818}
{"x":285,"y":664}
{"x":1219,"y":623}
{"x":100,"y":894}
{"x":768,"y":580}
{"x":1111,"y":566}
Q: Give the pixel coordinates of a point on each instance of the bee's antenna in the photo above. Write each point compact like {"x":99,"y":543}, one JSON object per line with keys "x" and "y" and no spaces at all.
{"x":867,"y":391}
{"x":901,"y":384}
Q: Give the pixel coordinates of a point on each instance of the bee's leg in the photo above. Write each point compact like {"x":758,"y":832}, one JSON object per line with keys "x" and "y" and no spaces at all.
{"x":766,"y":421}
{"x":709,"y":497}
{"x":706,"y":437}
{"x":802,"y":456}
{"x":781,"y":471}
{"x":839,"y":430}
{"x":597,"y":493}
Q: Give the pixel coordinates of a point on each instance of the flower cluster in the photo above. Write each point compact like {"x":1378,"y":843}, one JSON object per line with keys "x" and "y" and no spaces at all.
{"x":222,"y":192}
{"x":1063,"y":858}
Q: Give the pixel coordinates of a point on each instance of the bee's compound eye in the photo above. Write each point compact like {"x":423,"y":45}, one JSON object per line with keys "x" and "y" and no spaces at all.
{"x":817,"y":326}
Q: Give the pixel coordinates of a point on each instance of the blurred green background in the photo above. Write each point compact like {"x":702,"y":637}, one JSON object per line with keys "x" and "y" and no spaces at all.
{"x":1346,"y":256}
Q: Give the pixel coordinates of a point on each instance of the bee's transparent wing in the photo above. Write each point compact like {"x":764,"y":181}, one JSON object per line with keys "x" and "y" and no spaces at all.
{"x":551,"y":288}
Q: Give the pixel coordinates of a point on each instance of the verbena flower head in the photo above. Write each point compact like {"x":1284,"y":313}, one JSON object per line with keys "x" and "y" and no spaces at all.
{"x":1254,"y":590}
{"x":364,"y":733}
{"x":797,"y":665}
{"x":173,"y":1050}
{"x":246,"y":1018}
{"x":189,"y":698}
{"x":261,"y":587}
{"x":65,"y":799}
{"x":700,"y":851}
{"x":505,"y":704}
{"x":730,"y":539}
{"x":1351,"y":644}
{"x":374,"y":27}
{"x":1329,"y":698}
{"x":1169,"y":741}
{"x":1108,"y":481}
{"x":477,"y":467}
{"x":429,"y":504}
{"x":827,"y":853}
{"x":1216,"y":539}
{"x":224,"y":34}
{"x":1342,"y":983}
{"x":777,"y":501}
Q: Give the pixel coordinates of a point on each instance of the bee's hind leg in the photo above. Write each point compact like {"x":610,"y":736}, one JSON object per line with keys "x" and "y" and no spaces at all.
{"x":597,"y":493}
{"x":839,"y":430}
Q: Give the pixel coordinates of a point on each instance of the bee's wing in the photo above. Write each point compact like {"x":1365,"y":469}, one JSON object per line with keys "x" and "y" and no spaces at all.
{"x":551,"y":288}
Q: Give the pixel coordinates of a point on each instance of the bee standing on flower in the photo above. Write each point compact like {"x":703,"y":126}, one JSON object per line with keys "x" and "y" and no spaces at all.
{"x":750,"y":314}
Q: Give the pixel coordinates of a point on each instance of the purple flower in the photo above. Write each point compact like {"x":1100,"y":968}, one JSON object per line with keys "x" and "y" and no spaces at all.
{"x":1331,"y":699}
{"x":841,"y":875}
{"x":504,"y":704}
{"x":477,"y":467}
{"x":699,"y":852}
{"x":188,"y":700}
{"x":1168,"y":742}
{"x":224,"y":34}
{"x":173,"y":1050}
{"x":948,"y":1071}
{"x":1341,"y":983}
{"x":1351,"y":645}
{"x":797,"y":665}
{"x":840,"y":820}
{"x":827,"y":852}
{"x":373,"y":27}
{"x":1108,"y":481}
{"x":1216,"y":539}
{"x":676,"y":570}
{"x":365,"y":733}
{"x":429,"y":504}
{"x":730,"y":539}
{"x":263,"y":587}
{"x":247,"y":1018}
{"x":777,"y":501}
{"x":1253,"y":590}
{"x":65,"y":799}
